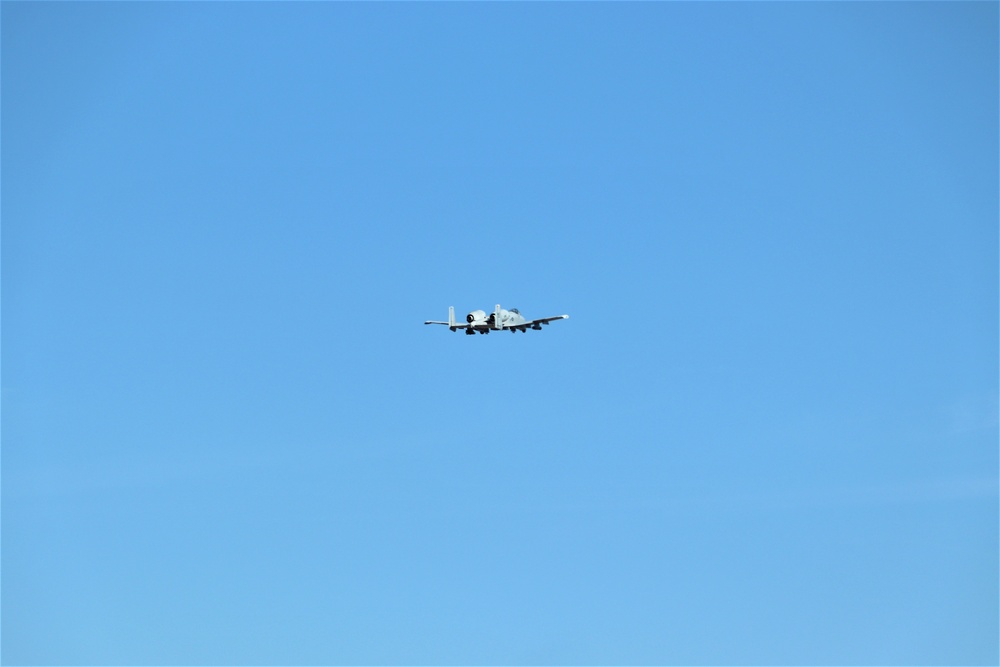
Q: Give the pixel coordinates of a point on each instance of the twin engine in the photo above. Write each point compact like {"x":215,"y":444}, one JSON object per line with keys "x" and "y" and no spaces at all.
{"x":476,"y":316}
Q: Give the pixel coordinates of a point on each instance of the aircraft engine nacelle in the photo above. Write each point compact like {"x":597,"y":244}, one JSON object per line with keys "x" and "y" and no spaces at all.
{"x":476,"y":316}
{"x":492,"y":319}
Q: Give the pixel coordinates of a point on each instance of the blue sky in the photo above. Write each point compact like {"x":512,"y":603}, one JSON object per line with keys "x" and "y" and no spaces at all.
{"x":766,"y":435}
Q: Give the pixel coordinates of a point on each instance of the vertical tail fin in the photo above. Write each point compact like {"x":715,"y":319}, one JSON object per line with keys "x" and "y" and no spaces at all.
{"x":497,"y":322}
{"x":451,"y":316}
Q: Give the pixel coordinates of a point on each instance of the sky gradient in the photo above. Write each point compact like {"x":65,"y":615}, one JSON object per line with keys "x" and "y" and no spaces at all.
{"x":768,"y":433}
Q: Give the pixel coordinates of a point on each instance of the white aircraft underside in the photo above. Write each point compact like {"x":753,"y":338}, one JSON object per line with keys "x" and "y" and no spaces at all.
{"x":499,"y":320}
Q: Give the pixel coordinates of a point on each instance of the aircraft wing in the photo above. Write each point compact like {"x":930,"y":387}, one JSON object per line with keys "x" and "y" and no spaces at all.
{"x":453,"y":325}
{"x":546,"y":320}
{"x":536,"y":324}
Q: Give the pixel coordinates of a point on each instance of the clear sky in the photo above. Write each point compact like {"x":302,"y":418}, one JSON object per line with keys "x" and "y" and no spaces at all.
{"x":768,"y":432}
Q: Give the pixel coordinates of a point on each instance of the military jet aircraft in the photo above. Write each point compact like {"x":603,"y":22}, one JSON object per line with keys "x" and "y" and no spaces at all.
{"x":499,"y":320}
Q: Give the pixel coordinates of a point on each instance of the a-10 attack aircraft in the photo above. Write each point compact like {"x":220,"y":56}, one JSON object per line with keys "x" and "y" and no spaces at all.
{"x":499,"y":320}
